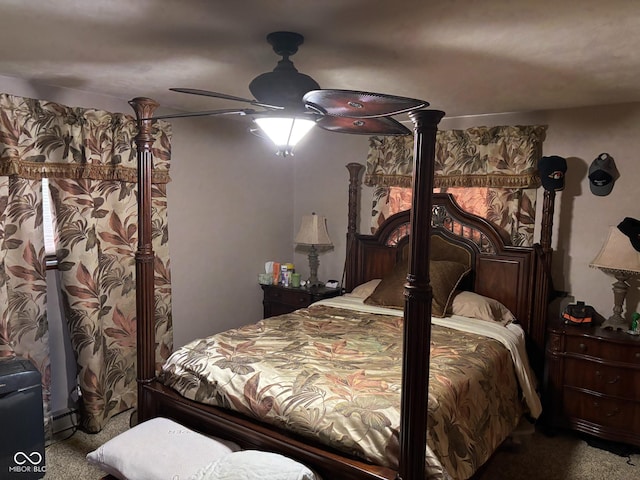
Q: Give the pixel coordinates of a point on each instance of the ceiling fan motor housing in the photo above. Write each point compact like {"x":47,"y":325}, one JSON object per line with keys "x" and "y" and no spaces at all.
{"x":283,"y":86}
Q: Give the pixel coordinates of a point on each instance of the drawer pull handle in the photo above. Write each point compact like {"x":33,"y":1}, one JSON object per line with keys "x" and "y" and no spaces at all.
{"x":612,"y":413}
{"x":638,"y":355}
{"x":582,"y":347}
{"x":615,"y":380}
{"x":610,"y":382}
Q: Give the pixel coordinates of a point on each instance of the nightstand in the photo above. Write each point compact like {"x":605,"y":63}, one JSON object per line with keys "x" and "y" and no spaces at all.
{"x":592,"y":381}
{"x":279,"y":300}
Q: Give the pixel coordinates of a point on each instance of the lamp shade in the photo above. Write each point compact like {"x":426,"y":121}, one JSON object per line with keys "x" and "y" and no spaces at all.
{"x":617,"y":254}
{"x":313,"y":231}
{"x":284,"y":131}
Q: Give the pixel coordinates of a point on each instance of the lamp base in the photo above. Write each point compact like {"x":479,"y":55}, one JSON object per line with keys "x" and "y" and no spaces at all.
{"x":315,"y":284}
{"x":615,"y":322}
{"x":313,"y":268}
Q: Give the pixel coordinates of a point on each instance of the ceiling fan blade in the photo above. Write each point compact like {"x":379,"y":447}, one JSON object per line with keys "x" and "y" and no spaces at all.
{"x":363,"y":126}
{"x":208,"y":113}
{"x":355,"y":104}
{"x":207,"y":93}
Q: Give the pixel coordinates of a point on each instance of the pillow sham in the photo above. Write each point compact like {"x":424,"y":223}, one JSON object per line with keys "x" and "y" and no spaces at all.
{"x":158,"y":448}
{"x":390,"y":290}
{"x":365,"y":289}
{"x":474,"y":305}
{"x":444,"y":278}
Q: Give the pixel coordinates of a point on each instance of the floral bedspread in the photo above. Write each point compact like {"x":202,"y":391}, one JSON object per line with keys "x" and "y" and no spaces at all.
{"x":334,"y":375}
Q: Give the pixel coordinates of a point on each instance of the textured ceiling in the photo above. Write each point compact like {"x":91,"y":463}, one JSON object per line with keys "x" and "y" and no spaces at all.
{"x":464,"y":57}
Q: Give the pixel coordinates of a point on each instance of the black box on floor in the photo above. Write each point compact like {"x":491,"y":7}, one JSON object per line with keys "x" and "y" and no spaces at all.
{"x":22,"y":421}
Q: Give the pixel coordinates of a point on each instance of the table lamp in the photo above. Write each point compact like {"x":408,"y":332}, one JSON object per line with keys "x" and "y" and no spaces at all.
{"x":618,"y":258}
{"x":313,"y":233}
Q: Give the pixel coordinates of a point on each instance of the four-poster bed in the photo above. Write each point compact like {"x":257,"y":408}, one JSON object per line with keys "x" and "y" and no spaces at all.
{"x":516,"y":276}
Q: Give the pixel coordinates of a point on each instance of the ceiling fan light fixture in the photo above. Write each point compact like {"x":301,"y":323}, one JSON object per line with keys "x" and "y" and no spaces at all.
{"x":285,"y":132}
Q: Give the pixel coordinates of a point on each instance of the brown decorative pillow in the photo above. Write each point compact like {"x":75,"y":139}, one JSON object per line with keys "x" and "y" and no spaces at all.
{"x":390,"y":291}
{"x":444,"y":278}
{"x":469,"y":304}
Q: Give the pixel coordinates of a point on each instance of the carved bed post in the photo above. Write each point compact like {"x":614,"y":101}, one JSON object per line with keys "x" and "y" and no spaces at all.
{"x":145,"y":309}
{"x":417,"y":309}
{"x":352,"y":227}
{"x":547,"y":220}
{"x":543,"y":282}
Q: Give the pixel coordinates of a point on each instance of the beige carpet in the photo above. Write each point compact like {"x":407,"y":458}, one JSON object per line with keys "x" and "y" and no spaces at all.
{"x":565,"y":456}
{"x":66,"y":458}
{"x":536,"y":457}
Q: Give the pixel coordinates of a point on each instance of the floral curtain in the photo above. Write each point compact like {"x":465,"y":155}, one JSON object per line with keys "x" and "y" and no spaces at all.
{"x":89,"y":156}
{"x":23,"y":290}
{"x":498,"y":163}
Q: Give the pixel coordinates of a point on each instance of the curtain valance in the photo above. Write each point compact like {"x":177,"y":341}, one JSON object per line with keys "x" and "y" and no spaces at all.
{"x":498,"y":157}
{"x":45,"y":139}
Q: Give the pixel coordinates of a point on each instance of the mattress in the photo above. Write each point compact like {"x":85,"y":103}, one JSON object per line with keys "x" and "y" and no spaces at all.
{"x":332,"y":373}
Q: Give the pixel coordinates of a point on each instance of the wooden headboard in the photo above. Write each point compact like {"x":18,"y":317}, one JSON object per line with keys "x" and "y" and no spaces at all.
{"x":515,"y":276}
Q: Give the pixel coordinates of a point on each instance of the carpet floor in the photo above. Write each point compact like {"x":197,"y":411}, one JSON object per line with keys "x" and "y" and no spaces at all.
{"x":566,"y":456}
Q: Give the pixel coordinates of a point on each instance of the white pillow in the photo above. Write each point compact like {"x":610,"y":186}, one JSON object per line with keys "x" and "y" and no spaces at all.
{"x":365,"y":289}
{"x":255,"y":465}
{"x":158,"y":449}
{"x":473,"y":305}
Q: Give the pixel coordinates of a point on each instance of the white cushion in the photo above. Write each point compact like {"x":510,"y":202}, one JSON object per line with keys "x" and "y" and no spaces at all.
{"x":158,"y":449}
{"x":472,"y":305}
{"x":255,"y":465}
{"x":365,"y":289}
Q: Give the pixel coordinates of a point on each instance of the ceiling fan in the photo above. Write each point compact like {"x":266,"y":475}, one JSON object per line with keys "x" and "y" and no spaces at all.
{"x":291,"y":103}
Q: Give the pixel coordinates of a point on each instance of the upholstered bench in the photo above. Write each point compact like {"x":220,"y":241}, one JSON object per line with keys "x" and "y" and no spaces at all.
{"x":161,"y":449}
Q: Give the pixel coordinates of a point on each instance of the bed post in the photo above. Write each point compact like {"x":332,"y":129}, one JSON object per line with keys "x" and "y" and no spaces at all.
{"x":543,"y":282}
{"x":417,"y":309}
{"x":352,"y":225}
{"x":145,"y":309}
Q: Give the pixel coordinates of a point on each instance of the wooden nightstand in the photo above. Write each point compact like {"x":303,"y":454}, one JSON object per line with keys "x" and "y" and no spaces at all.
{"x":279,"y":300}
{"x":592,"y":381}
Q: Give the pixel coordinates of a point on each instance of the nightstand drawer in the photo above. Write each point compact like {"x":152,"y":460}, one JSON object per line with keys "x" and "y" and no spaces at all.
{"x":291,"y":297}
{"x":621,"y":382}
{"x":605,"y":411}
{"x":279,"y":300}
{"x":583,"y":346}
{"x":612,"y":351}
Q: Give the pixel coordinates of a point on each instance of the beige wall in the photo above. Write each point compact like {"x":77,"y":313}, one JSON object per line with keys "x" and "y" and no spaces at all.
{"x":230,"y":210}
{"x":582,"y":222}
{"x":582,"y":219}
